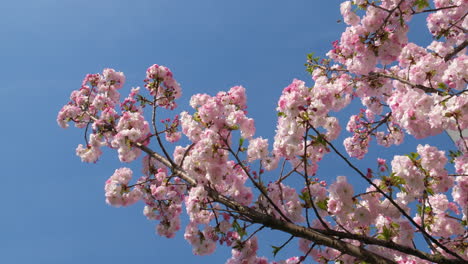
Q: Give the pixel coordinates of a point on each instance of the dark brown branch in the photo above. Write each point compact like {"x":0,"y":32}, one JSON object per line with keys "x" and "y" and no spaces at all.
{"x":381,"y":122}
{"x":434,"y":9}
{"x":158,"y":138}
{"x":460,"y":133}
{"x":306,"y":177}
{"x":450,"y":96}
{"x":456,"y":50}
{"x":418,"y":86}
{"x":306,"y":254}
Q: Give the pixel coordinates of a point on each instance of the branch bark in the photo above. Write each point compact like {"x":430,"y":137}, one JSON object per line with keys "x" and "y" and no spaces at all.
{"x":418,"y":86}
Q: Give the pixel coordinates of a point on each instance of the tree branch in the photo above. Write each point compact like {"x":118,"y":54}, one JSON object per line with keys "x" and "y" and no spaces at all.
{"x":419,"y":86}
{"x":456,"y":50}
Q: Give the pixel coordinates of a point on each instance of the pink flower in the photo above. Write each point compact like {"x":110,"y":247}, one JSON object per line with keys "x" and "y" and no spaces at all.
{"x":349,"y":16}
{"x":117,"y":191}
{"x":258,"y":149}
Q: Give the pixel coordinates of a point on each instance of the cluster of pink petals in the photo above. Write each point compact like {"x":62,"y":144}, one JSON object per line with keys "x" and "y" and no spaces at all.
{"x":161,"y":84}
{"x":163,"y":196}
{"x":117,"y":191}
{"x":209,"y":129}
{"x":92,"y":151}
{"x":94,"y":103}
{"x":286,"y":199}
{"x":442,"y":22}
{"x":377,"y":38}
{"x":302,"y":108}
{"x":258,"y":149}
{"x":132,"y":127}
{"x":247,"y":254}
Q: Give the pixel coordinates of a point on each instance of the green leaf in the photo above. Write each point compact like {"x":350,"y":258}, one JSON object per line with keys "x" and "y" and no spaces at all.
{"x":386,"y":234}
{"x":318,"y":140}
{"x":281,"y":114}
{"x":239,"y":229}
{"x":413,"y":156}
{"x":427,"y":210}
{"x":419,"y":209}
{"x":323,"y":204}
{"x":453,"y":155}
{"x":275,"y":250}
{"x":196,"y":117}
{"x":397,"y":181}
{"x":430,"y":191}
{"x":442,"y":86}
{"x":304,"y":196}
{"x":241,"y":141}
{"x":421,"y":4}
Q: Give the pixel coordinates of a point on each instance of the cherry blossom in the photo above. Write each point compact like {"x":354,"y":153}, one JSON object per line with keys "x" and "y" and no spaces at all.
{"x":231,"y":186}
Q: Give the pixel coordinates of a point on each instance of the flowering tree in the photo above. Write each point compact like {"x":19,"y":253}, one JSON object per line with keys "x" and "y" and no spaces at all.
{"x":232,"y":186}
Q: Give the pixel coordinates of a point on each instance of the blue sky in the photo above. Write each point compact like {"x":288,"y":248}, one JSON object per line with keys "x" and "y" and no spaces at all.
{"x":53,"y":208}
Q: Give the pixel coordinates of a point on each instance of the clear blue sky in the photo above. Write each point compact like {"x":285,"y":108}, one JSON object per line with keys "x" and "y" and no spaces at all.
{"x":53,"y":208}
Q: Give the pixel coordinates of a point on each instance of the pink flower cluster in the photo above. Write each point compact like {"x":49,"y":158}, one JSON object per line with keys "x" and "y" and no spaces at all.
{"x":132,"y":127}
{"x":163,"y":196}
{"x":210,"y":131}
{"x":258,"y":149}
{"x":363,"y":126}
{"x":97,"y":93}
{"x":161,"y":84}
{"x":246,"y":253}
{"x":203,"y":242}
{"x":449,"y":22}
{"x":380,"y":37}
{"x":302,"y":108}
{"x":164,"y":201}
{"x":286,"y":199}
{"x":117,"y":191}
{"x":420,"y":174}
{"x":92,"y":151}
{"x":94,"y":103}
